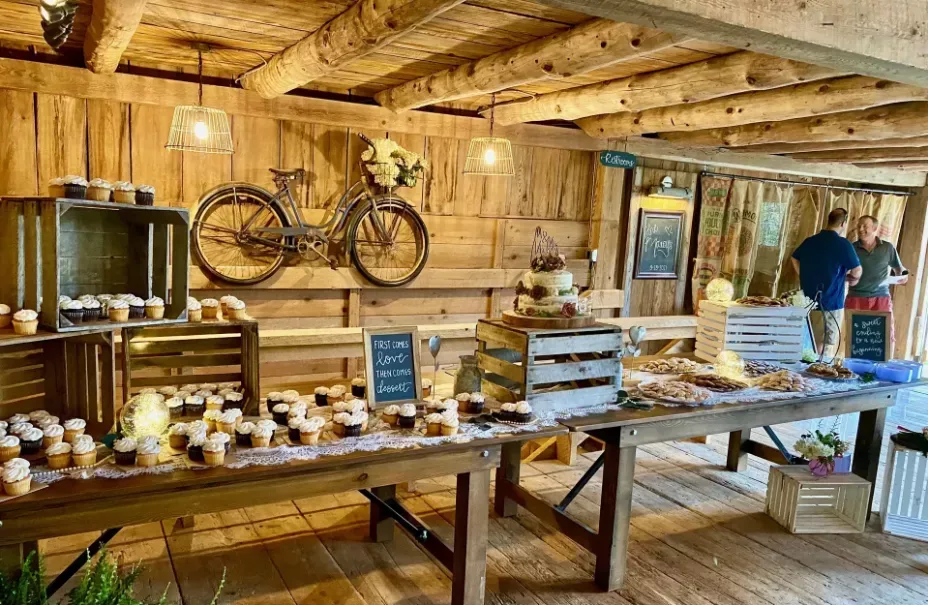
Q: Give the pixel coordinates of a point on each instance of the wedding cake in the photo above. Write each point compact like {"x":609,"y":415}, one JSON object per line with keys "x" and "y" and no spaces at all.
{"x":547,"y":290}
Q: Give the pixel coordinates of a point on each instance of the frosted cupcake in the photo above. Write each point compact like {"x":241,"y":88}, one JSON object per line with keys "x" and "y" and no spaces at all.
{"x":261,"y":436}
{"x":25,"y":322}
{"x":52,"y":435}
{"x":145,"y":195}
{"x":293,"y":428}
{"x":448,"y":404}
{"x":213,"y":402}
{"x":210,"y":307}
{"x":355,"y":424}
{"x":9,"y":448}
{"x":148,"y":450}
{"x":6,"y":316}
{"x":125,"y":451}
{"x":358,"y":387}
{"x":99,"y":190}
{"x":338,"y":423}
{"x":426,"y":387}
{"x":279,"y":411}
{"x":193,"y":405}
{"x":30,"y":440}
{"x":124,"y":192}
{"x":243,"y":433}
{"x":433,"y":425}
{"x":16,"y":477}
{"x":175,"y":406}
{"x":407,"y":419}
{"x":337,"y":392}
{"x":523,"y":412}
{"x":211,"y":417}
{"x":194,"y":310}
{"x":56,"y":187}
{"x":177,"y":436}
{"x":233,"y":400}
{"x":227,"y":421}
{"x":72,"y":310}
{"x":475,"y":403}
{"x":322,"y":396}
{"x":449,"y":425}
{"x":214,"y":453}
{"x":507,"y":411}
{"x":195,"y":443}
{"x":74,"y":428}
{"x":310,"y":429}
{"x":93,"y":310}
{"x":236,"y":310}
{"x":84,"y":451}
{"x":58,"y":456}
{"x":154,"y":308}
{"x":117,"y":310}
{"x":75,"y":187}
{"x":297,"y":409}
{"x":391,"y":415}
{"x":224,"y":438}
{"x":137,"y":307}
{"x":168,"y":391}
{"x":104,"y":298}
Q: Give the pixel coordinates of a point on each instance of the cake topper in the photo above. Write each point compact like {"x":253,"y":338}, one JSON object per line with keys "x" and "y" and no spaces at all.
{"x":545,"y":255}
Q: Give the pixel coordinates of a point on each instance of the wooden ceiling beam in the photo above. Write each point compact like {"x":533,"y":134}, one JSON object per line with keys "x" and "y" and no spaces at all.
{"x":906,"y":166}
{"x":788,"y":148}
{"x":112,"y":25}
{"x":365,"y":27}
{"x":864,"y":156}
{"x":591,"y":45}
{"x":888,"y":121}
{"x":869,"y":37}
{"x":700,"y":81}
{"x":786,"y":103}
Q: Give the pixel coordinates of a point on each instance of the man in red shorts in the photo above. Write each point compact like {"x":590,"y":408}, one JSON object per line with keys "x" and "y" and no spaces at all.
{"x":877,"y":259}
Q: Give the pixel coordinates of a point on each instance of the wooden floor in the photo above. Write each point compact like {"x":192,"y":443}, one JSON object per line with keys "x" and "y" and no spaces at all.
{"x":699,"y":537}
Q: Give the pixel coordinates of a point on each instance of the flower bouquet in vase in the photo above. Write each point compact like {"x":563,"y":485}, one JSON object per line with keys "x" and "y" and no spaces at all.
{"x":825,"y":452}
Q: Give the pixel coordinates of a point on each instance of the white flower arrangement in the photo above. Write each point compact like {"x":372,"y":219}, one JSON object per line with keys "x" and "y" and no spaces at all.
{"x":797,"y":298}
{"x":389,"y":165}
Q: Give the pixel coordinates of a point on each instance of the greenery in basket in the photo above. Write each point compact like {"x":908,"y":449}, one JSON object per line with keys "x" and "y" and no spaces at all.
{"x":102,"y":584}
{"x":389,"y":165}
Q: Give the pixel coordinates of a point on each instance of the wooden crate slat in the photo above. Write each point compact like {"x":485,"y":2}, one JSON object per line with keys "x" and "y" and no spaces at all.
{"x":577,"y":370}
{"x":499,"y":366}
{"x":202,"y":329}
{"x":12,"y":379}
{"x":214,"y":344}
{"x":498,"y":392}
{"x":19,"y":391}
{"x":763,"y":333}
{"x":904,"y":508}
{"x":490,"y":333}
{"x":573,"y":398}
{"x":575,"y":344}
{"x":20,"y":361}
{"x":160,"y":381}
{"x":187,"y":361}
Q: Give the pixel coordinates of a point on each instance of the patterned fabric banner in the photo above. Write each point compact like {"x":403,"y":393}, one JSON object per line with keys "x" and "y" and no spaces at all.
{"x":710,"y":241}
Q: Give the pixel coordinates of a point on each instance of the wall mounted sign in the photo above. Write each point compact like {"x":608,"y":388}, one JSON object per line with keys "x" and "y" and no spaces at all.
{"x":867,"y":334}
{"x":617,"y":159}
{"x":658,"y":250}
{"x":391,"y":360}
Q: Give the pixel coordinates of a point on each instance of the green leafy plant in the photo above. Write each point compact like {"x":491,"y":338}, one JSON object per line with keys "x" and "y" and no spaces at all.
{"x":27,"y":587}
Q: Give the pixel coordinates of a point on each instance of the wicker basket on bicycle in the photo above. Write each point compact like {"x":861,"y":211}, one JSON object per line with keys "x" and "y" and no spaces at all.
{"x":386,"y":165}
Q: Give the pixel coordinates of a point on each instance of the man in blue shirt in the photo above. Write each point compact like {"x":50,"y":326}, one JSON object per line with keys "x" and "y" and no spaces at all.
{"x":825,"y":262}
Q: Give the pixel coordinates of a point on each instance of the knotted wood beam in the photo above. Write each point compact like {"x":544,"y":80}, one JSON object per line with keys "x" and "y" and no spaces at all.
{"x":829,"y":145}
{"x":907,"y":166}
{"x":865,"y":156}
{"x":591,"y":45}
{"x":360,"y":30}
{"x":700,"y":81}
{"x":112,"y":25}
{"x":786,"y":103}
{"x":889,"y":121}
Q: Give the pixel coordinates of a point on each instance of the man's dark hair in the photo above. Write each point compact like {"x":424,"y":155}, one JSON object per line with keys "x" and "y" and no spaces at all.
{"x":837,"y":217}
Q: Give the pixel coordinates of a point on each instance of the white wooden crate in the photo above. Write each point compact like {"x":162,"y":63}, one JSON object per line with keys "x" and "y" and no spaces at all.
{"x":806,"y":504}
{"x":765,"y":333}
{"x":904,"y":507}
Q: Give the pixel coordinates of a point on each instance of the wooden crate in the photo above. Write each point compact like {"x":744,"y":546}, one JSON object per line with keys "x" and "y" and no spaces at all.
{"x":69,"y":375}
{"x":551,"y":369}
{"x":55,"y":246}
{"x":904,"y":508}
{"x":766,"y":333}
{"x":212,"y":351}
{"x":806,"y":504}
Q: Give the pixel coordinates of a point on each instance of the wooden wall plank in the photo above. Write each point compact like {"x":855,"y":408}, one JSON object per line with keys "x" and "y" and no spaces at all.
{"x":330,"y":165}
{"x":108,"y":140}
{"x":296,"y":151}
{"x":61,"y":124}
{"x":549,"y":175}
{"x":442,"y":181}
{"x":577,"y":188}
{"x":18,"y":145}
{"x":416,"y":144}
{"x":201,"y":173}
{"x":257,"y":149}
{"x":520,"y":190}
{"x":152,"y":164}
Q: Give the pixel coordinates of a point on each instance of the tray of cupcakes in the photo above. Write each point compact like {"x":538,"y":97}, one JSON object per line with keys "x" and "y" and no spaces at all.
{"x":228,"y":308}
{"x":48,"y":444}
{"x":100,"y":190}
{"x":98,"y":309}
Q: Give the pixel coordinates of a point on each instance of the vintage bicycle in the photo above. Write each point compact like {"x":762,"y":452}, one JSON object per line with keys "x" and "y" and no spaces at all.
{"x":242,"y":233}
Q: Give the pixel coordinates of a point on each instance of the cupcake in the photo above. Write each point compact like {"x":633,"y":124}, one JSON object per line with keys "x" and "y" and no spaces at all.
{"x":194,"y":310}
{"x":154,"y":308}
{"x":83,"y":450}
{"x":193,"y":405}
{"x":407,"y":416}
{"x":99,"y":190}
{"x":214,"y":453}
{"x":6,"y":316}
{"x":337,"y":392}
{"x":145,"y":195}
{"x":226,"y":386}
{"x":124,"y":192}
{"x":358,"y":387}
{"x":267,"y":423}
{"x":168,"y":391}
{"x":273,"y":398}
{"x":93,"y":310}
{"x":136,"y":307}
{"x":177,"y":436}
{"x":236,"y":310}
{"x":58,"y":456}
{"x":16,"y":477}
{"x":475,"y":403}
{"x":52,"y":435}
{"x":507,"y":411}
{"x":462,"y":399}
{"x":104,"y":298}
{"x":213,"y":402}
{"x":210,"y":308}
{"x":175,"y":406}
{"x":204,"y":393}
{"x":449,"y":424}
{"x":224,"y":304}
{"x":322,"y":396}
{"x":17,"y":418}
{"x":293,"y":428}
{"x":30,"y":440}
{"x":261,"y":436}
{"x":426,"y":387}
{"x":279,"y":411}
{"x":196,"y":426}
{"x":243,"y":433}
{"x":74,"y":428}
{"x":523,"y":412}
{"x":117,"y":310}
{"x":297,"y":409}
{"x":17,"y":428}
{"x":25,"y":322}
{"x":224,"y":438}
{"x":56,"y":187}
{"x":226,"y":421}
{"x":211,"y":417}
{"x":211,"y":387}
{"x":338,"y":423}
{"x":433,"y":425}
{"x":148,"y":391}
{"x":233,"y":401}
{"x":391,"y":414}
{"x":355,"y":424}
{"x":149,"y":448}
{"x":125,"y":451}
{"x":75,"y":187}
{"x":190,"y":388}
{"x":448,"y":404}
{"x":9,"y":448}
{"x":195,"y":445}
{"x":310,"y":429}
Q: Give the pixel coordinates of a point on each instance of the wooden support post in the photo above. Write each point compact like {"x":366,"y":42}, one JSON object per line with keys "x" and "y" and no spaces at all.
{"x":615,"y":511}
{"x":188,"y":522}
{"x":909,"y":300}
{"x":354,"y":321}
{"x":567,"y":447}
{"x":607,"y":228}
{"x":737,"y":457}
{"x":867,"y":448}
{"x":471,"y":518}
{"x":510,"y":468}
{"x":382,"y":525}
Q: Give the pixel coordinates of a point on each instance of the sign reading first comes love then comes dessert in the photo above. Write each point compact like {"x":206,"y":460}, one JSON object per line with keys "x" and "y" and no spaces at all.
{"x":391,"y":358}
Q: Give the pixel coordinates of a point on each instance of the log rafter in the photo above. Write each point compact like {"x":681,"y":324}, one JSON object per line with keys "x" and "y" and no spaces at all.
{"x":865,"y":156}
{"x":112,"y":25}
{"x":776,"y":148}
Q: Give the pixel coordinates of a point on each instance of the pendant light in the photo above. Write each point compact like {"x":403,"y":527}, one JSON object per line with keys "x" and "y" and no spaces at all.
{"x":198,"y":128}
{"x":489,"y":156}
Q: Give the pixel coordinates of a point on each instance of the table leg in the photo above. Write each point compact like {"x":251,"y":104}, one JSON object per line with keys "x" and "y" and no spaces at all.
{"x":737,"y":459}
{"x":382,"y":524}
{"x":867,"y":448}
{"x":470,"y":538}
{"x":510,"y":468}
{"x":615,"y":511}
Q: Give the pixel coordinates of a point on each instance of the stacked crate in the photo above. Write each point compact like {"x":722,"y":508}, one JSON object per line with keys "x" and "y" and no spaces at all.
{"x":765,"y":333}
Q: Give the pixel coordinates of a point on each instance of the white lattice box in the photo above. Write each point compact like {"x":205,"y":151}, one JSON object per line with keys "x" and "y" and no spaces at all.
{"x":904,"y":508}
{"x":806,"y":504}
{"x":766,"y":333}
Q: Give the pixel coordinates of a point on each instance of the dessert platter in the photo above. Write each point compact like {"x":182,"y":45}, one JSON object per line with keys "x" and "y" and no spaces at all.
{"x":827,"y":371}
{"x":714,"y":382}
{"x":673,"y":365}
{"x":785,"y":381}
{"x":754,"y":368}
{"x":675,"y":391}
{"x":760,"y":301}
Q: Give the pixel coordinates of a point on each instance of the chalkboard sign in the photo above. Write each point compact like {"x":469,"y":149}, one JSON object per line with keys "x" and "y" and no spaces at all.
{"x":867,"y":335}
{"x":617,"y":159}
{"x":658,"y":249}
{"x":391,"y":358}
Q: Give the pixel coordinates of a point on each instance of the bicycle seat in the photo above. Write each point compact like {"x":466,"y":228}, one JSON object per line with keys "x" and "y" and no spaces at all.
{"x":289,"y":174}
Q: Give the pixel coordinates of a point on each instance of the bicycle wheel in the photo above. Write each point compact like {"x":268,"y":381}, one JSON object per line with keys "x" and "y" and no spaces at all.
{"x":227,"y":239}
{"x":396,"y":257}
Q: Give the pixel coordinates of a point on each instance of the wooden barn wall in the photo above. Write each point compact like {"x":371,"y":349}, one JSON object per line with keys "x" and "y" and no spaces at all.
{"x":474,"y":222}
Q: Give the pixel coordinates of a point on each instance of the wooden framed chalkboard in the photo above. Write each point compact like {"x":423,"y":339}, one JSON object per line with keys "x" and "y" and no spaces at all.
{"x":658,"y":251}
{"x":867,"y":334}
{"x":391,"y":360}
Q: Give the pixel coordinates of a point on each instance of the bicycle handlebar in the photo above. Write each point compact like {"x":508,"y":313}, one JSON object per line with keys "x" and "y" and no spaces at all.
{"x":365,"y":139}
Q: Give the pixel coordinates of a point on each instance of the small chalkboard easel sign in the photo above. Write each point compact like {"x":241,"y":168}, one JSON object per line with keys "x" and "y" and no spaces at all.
{"x":391,"y":360}
{"x":867,"y":335}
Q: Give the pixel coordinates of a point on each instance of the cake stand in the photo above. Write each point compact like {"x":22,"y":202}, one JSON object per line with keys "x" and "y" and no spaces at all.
{"x":551,"y":323}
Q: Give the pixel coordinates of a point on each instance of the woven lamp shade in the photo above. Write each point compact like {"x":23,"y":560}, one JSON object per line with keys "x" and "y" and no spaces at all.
{"x":489,"y":156}
{"x":200,"y":129}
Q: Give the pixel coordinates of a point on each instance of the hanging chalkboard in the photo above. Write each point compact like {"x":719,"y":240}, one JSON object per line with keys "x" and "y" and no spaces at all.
{"x":658,"y":249}
{"x":391,"y":359}
{"x":868,"y":335}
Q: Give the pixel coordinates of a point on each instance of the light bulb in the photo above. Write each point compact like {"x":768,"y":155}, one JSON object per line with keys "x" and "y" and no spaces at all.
{"x":489,"y":157}
{"x":201,"y":130}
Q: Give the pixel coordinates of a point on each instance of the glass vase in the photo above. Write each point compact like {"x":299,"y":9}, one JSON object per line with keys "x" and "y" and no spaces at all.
{"x":821,"y":467}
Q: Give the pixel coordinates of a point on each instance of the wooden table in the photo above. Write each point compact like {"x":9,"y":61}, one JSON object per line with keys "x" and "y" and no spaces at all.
{"x":623,"y":431}
{"x":73,"y":506}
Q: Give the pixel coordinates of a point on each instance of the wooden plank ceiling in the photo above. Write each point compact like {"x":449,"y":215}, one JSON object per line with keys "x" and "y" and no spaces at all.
{"x":689,"y":91}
